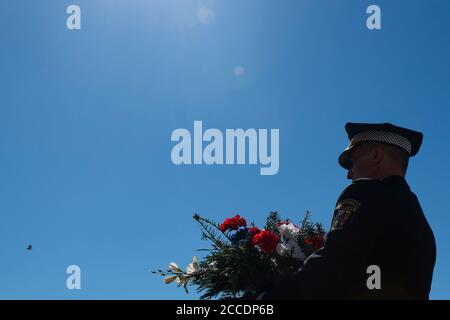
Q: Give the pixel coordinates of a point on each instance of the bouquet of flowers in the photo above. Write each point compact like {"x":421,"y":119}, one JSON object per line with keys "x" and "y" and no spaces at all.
{"x":244,"y":260}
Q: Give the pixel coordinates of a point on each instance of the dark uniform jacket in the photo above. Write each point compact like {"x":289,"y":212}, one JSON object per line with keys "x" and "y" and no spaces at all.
{"x":376,"y":223}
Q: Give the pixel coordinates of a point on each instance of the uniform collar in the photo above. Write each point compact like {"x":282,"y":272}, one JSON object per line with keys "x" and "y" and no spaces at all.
{"x":360,"y":179}
{"x":398,"y":180}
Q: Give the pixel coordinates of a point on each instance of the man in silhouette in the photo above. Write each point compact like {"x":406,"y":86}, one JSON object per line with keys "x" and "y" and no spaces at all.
{"x":377,"y":221}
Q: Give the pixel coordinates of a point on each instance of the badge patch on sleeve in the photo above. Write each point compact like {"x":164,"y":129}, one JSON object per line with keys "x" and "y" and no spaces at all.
{"x":345,"y":209}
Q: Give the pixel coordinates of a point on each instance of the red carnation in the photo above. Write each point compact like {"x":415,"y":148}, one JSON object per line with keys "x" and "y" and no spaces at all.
{"x":267,"y":240}
{"x":316,"y":242}
{"x":233,"y":223}
{"x":254,"y":231}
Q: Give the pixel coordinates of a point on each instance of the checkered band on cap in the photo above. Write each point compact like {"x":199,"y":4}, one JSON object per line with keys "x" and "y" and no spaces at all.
{"x":384,"y":137}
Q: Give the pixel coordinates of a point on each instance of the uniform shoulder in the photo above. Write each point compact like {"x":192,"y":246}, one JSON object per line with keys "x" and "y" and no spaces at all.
{"x":363,"y":187}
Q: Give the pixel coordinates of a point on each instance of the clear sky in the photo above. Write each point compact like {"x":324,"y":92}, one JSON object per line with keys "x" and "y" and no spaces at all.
{"x":86,"y":117}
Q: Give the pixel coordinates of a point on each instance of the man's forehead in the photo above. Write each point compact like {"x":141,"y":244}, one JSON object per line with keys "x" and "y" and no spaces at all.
{"x":358,"y":149}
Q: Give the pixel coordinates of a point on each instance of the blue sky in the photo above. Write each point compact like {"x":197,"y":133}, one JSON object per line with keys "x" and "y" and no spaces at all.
{"x":86,"y":118}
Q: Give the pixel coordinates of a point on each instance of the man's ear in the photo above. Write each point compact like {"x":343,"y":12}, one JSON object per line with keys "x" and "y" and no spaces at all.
{"x":377,"y":154}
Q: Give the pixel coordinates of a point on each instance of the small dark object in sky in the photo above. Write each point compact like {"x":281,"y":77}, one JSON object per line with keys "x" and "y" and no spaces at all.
{"x":29,"y":247}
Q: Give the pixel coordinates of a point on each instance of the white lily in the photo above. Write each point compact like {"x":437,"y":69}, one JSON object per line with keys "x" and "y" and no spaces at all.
{"x":181,"y":280}
{"x":174,"y":267}
{"x":193,"y":267}
{"x":195,"y":263}
{"x":170,"y":279}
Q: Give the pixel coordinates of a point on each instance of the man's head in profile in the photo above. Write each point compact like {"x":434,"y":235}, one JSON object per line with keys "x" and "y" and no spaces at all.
{"x":377,"y":151}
